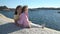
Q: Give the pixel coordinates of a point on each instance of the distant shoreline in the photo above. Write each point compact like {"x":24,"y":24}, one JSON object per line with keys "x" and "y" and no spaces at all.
{"x":40,"y":8}
{"x":43,"y":8}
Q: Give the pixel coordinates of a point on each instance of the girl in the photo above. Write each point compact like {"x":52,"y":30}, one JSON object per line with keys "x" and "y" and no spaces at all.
{"x":17,"y":13}
{"x":23,"y":18}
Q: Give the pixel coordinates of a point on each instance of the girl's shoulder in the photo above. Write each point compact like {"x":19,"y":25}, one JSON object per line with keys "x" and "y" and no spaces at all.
{"x":16,"y":16}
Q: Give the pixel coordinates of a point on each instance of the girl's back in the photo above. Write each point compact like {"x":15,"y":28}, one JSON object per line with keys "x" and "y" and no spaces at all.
{"x":23,"y":19}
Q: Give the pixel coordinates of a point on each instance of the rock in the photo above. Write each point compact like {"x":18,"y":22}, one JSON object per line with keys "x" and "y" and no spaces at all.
{"x":8,"y":27}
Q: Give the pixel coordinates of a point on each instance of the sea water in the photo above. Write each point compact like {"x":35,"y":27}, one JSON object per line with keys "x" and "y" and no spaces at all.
{"x":51,"y":18}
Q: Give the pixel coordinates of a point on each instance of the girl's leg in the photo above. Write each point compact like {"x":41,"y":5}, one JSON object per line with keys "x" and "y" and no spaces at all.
{"x":35,"y":25}
{"x":27,"y":26}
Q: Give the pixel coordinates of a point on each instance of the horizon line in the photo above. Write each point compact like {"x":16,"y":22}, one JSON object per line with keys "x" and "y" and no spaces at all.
{"x":38,"y":7}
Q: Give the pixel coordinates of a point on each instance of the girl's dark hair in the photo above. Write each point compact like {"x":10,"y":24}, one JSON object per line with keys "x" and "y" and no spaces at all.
{"x":17,"y":8}
{"x":24,"y":8}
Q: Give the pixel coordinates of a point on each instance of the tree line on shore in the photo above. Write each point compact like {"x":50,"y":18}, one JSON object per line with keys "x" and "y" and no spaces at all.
{"x":6,"y":8}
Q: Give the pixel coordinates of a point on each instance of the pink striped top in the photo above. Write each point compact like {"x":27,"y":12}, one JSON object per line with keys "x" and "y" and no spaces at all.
{"x":23,"y":19}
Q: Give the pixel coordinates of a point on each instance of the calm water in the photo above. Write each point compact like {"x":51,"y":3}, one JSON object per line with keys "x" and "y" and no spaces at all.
{"x":50,"y":17}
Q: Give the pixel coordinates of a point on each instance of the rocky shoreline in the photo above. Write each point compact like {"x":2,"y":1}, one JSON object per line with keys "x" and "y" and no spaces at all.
{"x":7,"y":27}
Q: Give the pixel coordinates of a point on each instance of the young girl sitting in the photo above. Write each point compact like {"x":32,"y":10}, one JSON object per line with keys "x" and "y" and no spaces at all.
{"x":17,"y":13}
{"x":23,"y":18}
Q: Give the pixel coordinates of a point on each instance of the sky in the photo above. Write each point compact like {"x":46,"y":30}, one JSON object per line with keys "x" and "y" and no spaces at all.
{"x":30,"y":3}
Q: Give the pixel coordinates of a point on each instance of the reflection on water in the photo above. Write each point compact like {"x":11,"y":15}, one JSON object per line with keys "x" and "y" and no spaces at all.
{"x":50,"y":17}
